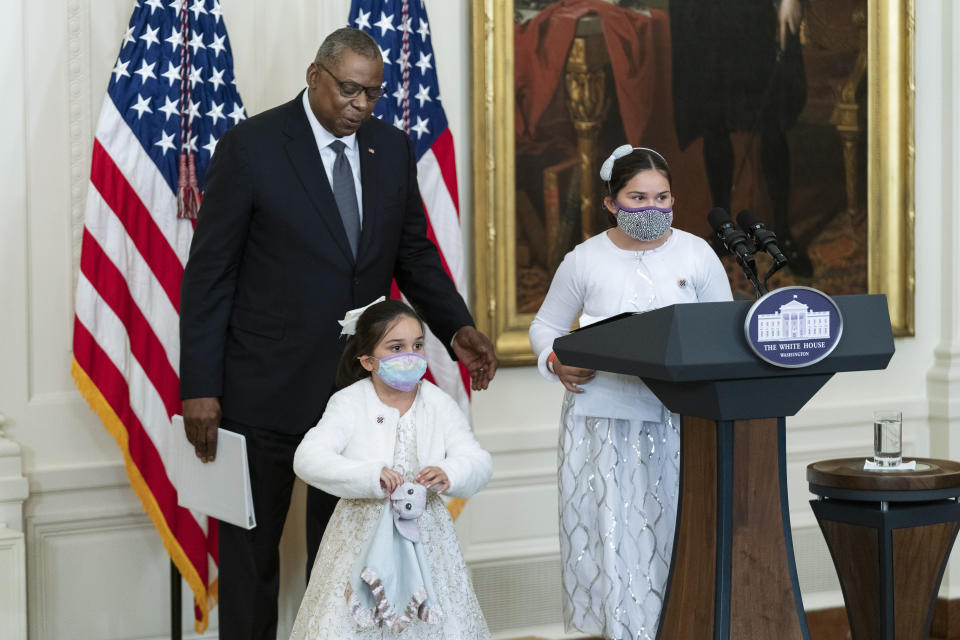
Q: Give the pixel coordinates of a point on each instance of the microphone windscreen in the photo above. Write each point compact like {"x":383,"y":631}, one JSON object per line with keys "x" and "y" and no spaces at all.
{"x":717,"y":217}
{"x":747,"y":220}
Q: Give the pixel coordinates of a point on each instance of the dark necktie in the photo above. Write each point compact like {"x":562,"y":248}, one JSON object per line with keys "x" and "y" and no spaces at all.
{"x":345,"y":193}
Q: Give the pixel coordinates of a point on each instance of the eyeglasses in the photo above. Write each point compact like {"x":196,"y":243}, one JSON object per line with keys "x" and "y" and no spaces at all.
{"x":352,"y":89}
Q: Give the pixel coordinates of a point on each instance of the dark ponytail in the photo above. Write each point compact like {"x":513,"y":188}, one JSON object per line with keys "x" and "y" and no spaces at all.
{"x":372,"y":325}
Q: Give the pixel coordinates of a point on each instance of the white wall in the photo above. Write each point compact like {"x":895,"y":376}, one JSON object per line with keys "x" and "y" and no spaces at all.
{"x":90,"y":548}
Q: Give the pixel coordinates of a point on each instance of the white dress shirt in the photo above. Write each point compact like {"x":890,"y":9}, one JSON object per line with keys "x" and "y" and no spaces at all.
{"x":329,"y":156}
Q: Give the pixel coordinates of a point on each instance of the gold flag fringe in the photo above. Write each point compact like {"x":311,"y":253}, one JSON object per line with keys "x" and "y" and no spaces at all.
{"x":205,"y":598}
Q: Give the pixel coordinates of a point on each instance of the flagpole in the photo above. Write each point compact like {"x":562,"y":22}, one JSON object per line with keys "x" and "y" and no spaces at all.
{"x":176,"y":613}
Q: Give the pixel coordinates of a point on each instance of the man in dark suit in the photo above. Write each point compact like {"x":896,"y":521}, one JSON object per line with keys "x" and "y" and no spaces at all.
{"x":310,"y":209}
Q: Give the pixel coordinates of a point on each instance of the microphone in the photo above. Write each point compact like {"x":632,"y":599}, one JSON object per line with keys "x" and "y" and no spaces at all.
{"x":765,"y":239}
{"x":733,"y":239}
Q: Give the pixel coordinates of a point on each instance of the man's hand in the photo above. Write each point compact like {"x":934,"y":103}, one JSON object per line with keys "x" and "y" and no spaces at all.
{"x":201,"y":419}
{"x":475,"y":351}
{"x":572,"y":377}
{"x":788,"y":19}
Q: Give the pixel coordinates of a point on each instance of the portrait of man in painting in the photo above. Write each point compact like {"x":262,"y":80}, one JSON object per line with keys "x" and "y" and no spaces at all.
{"x":756,"y":105}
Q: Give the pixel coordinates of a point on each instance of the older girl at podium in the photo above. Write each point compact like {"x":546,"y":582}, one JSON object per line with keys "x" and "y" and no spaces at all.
{"x":619,"y":446}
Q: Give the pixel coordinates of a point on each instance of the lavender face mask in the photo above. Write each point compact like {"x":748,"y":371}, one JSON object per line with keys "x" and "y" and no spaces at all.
{"x":402,"y":371}
{"x":645,"y":223}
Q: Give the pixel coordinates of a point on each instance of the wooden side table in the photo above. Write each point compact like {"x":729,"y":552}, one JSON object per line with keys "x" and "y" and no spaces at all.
{"x":890,"y":534}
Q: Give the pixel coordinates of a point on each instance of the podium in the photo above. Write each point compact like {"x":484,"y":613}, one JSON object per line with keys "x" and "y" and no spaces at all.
{"x":733,"y":573}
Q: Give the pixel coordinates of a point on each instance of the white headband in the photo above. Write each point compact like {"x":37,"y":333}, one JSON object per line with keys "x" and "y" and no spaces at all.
{"x":349,"y":322}
{"x":606,"y":169}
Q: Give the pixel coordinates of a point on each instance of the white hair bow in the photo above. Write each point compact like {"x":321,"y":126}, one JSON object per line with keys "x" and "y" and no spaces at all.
{"x":606,"y":169}
{"x":349,"y":322}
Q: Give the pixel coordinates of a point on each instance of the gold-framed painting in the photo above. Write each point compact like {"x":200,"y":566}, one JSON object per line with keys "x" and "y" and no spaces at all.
{"x":558,"y":84}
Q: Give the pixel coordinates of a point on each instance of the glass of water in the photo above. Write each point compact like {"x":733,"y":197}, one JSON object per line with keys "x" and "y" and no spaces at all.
{"x":887,"y":438}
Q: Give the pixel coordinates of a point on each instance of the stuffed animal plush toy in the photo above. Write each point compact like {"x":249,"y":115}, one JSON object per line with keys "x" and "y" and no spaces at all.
{"x":408,"y":502}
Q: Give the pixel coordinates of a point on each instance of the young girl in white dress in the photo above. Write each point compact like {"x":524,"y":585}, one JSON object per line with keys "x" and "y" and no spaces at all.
{"x":385,"y":427}
{"x":619,"y":446}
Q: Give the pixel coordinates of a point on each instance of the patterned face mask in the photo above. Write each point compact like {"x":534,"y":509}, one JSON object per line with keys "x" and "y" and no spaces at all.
{"x":402,"y":371}
{"x":645,"y":223}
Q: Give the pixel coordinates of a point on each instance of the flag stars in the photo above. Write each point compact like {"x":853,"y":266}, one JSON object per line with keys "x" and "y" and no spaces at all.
{"x":217,"y":45}
{"x":216,"y":12}
{"x":165,"y":142}
{"x":363,"y":20}
{"x":154,"y":5}
{"x":120,"y":70}
{"x":172,"y":73}
{"x":175,"y":40}
{"x":405,"y":26}
{"x":423,"y":95}
{"x":193,"y":110}
{"x":424,"y":62}
{"x":211,"y":145}
{"x":424,"y":30}
{"x":197,"y":9}
{"x":170,"y":108}
{"x":216,"y":112}
{"x":150,"y":37}
{"x":216,"y":79}
{"x":195,"y":76}
{"x":385,"y":23}
{"x":143,"y":105}
{"x":191,"y":144}
{"x":128,"y":37}
{"x":385,"y":55}
{"x":237,"y":114}
{"x":176,"y":5}
{"x":404,"y":60}
{"x":421,"y":127}
{"x":146,"y":71}
{"x":196,"y":41}
{"x":398,"y":123}
{"x":400,"y":94}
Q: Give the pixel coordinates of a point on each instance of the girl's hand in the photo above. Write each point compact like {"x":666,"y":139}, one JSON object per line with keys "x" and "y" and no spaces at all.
{"x":390,"y":480}
{"x":434,"y":477}
{"x":572,"y":377}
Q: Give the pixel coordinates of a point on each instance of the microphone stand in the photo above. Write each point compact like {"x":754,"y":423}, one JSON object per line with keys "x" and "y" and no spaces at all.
{"x":777,"y":265}
{"x":750,"y":271}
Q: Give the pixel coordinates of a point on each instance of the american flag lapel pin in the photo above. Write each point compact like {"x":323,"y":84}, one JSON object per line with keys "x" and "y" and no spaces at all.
{"x":370,"y":150}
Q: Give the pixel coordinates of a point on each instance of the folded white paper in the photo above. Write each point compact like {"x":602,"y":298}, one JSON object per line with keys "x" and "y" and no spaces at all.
{"x":219,"y":489}
{"x":613,"y":395}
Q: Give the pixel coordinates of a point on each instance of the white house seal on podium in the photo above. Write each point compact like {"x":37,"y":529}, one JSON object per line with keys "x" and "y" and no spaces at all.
{"x":793,"y":327}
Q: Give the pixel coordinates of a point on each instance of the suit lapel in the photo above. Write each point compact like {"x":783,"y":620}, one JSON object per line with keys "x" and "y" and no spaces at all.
{"x":368,"y":187}
{"x":305,"y":158}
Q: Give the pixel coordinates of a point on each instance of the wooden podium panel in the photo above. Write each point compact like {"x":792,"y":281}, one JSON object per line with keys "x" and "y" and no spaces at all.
{"x":733,"y":572}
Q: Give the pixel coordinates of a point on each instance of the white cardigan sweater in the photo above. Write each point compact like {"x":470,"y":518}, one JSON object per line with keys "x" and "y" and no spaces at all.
{"x":344,"y":454}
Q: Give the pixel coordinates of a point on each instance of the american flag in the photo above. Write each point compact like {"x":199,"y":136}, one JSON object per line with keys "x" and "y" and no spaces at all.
{"x":125,"y":341}
{"x":411,"y":102}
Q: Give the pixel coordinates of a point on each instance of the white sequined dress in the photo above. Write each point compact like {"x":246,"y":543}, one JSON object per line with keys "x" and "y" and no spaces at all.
{"x":324,"y":614}
{"x":619,"y":457}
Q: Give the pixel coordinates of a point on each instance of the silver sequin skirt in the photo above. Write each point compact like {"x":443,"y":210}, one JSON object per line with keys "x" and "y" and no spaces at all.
{"x":619,"y":482}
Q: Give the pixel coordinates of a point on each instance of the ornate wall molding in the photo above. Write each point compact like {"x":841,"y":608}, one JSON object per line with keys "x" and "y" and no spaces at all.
{"x":81,"y":133}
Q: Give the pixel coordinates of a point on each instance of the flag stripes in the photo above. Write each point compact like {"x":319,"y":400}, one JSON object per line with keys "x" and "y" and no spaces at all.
{"x":133,"y":252}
